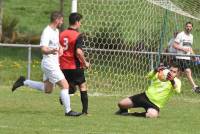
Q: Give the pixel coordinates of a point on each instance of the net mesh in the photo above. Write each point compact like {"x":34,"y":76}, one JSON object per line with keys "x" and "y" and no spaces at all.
{"x":124,"y":40}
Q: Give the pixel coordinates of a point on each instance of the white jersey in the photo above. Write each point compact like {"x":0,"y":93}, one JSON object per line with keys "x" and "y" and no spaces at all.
{"x":50,"y":63}
{"x":50,"y":38}
{"x":171,"y":49}
{"x":184,"y":40}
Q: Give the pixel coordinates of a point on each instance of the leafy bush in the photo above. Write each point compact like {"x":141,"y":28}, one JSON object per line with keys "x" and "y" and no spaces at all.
{"x":9,"y":28}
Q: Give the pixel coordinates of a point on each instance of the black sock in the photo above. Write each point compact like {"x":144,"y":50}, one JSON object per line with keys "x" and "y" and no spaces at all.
{"x":84,"y":100}
{"x":123,"y":110}
{"x":143,"y":114}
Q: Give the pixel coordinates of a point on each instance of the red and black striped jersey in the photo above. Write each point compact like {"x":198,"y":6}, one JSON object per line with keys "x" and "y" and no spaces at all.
{"x":70,"y":40}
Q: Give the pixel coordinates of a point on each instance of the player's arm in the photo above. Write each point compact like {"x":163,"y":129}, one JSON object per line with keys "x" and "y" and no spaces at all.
{"x":60,"y":51}
{"x":80,"y":53}
{"x":156,"y":70}
{"x":81,"y":57}
{"x":46,"y":50}
{"x":176,"y":83}
{"x":150,"y":74}
{"x":178,"y":47}
{"x":193,"y":58}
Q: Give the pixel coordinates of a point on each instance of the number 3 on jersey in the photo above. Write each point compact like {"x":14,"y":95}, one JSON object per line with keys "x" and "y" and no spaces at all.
{"x":65,"y":44}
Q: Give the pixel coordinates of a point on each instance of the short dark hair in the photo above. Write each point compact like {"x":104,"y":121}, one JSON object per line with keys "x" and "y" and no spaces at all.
{"x":74,"y":17}
{"x":189,"y":22}
{"x":55,"y":15}
{"x":175,"y":65}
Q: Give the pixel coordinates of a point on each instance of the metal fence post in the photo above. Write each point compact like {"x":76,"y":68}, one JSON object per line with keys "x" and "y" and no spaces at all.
{"x":29,"y":63}
{"x":152,"y":67}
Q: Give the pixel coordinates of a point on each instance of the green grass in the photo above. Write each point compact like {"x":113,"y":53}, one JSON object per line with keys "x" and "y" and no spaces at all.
{"x":28,"y":111}
{"x":13,"y":63}
{"x":33,"y":15}
{"x":35,"y":113}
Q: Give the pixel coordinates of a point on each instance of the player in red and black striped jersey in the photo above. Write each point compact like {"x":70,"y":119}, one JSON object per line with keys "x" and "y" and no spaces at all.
{"x":73,"y":61}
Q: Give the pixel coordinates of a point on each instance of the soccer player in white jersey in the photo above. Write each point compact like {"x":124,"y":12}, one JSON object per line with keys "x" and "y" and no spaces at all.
{"x":51,"y":50}
{"x":183,"y":45}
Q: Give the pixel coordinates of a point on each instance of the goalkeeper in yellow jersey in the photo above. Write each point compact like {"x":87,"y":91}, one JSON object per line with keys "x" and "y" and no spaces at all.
{"x":156,"y":95}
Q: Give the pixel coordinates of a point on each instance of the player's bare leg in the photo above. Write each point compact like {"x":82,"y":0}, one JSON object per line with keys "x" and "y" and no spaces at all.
{"x":152,"y":113}
{"x":123,"y":105}
{"x":48,"y":86}
{"x":189,"y":76}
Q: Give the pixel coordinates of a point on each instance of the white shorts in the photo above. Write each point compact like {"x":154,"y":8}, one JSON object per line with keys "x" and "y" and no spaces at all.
{"x":54,"y":74}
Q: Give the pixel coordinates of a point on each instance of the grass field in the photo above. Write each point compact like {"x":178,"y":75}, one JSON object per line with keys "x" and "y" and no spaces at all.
{"x":33,"y":15}
{"x":27,"y":111}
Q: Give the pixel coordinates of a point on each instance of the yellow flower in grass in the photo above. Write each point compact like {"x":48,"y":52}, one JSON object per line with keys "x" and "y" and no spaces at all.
{"x":16,"y":65}
{"x":36,"y":62}
{"x":1,"y":64}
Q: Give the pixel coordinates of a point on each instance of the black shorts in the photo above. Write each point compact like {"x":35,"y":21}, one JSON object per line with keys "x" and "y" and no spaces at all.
{"x":183,"y":64}
{"x":74,"y":76}
{"x":141,"y":100}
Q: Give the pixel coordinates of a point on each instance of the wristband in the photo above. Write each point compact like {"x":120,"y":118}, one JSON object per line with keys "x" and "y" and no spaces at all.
{"x":172,"y":82}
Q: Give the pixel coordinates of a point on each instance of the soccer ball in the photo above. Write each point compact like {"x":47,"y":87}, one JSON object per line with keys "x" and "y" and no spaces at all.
{"x":162,"y":75}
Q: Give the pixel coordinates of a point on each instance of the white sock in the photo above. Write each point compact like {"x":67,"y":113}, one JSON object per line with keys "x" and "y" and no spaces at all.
{"x":34,"y":84}
{"x":64,"y":94}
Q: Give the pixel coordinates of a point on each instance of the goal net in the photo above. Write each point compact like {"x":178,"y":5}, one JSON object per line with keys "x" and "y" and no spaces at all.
{"x":125,"y":39}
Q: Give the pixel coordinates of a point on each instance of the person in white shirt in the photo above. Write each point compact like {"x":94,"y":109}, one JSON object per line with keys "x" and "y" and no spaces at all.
{"x":170,"y":48}
{"x":183,"y":45}
{"x":51,"y":50}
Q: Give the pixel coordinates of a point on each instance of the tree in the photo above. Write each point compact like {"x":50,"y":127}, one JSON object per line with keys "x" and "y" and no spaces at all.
{"x":62,"y":11}
{"x":1,"y":18}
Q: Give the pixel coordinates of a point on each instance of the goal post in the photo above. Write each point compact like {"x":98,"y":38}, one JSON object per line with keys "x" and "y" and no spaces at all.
{"x":74,"y":6}
{"x":124,"y":40}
